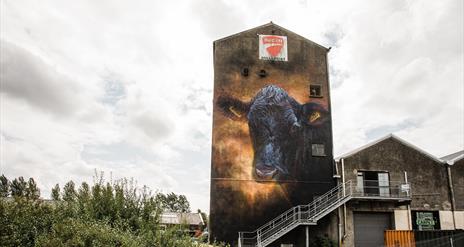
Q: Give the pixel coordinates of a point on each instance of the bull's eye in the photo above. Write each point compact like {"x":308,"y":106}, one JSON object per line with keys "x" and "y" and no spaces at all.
{"x":232,"y":109}
{"x":315,"y":116}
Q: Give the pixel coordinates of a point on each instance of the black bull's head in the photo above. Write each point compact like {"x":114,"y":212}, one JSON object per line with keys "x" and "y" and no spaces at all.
{"x":276,"y":122}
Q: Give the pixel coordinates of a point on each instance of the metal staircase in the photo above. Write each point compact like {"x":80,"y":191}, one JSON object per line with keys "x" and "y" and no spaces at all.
{"x":309,"y":214}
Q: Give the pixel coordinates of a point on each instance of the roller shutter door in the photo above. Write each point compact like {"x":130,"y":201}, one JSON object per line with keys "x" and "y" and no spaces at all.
{"x":369,"y":228}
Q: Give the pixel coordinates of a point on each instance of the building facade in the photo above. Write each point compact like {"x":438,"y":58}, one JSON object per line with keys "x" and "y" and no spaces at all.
{"x":455,"y":167}
{"x":392,"y":166}
{"x":274,"y":181}
{"x":272,"y":129}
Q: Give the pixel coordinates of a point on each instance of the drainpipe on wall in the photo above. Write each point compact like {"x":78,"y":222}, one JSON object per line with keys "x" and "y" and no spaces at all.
{"x":451,"y":190}
{"x":307,"y":236}
{"x":342,"y":160}
{"x":339,"y":218}
{"x":340,"y":243}
{"x":409,"y":205}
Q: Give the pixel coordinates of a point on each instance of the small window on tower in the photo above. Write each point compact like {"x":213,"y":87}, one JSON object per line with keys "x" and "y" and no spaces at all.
{"x":318,"y":150}
{"x":245,"y":71}
{"x":315,"y":91}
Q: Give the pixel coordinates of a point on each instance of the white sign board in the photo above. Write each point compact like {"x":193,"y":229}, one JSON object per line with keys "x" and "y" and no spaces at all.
{"x":405,"y":187}
{"x":273,"y":47}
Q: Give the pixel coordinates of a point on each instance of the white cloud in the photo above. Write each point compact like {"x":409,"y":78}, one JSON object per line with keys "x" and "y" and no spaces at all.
{"x":24,"y":76}
{"x":127,"y":87}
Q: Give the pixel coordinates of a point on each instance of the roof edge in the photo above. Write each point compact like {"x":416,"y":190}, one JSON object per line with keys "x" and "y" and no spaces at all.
{"x":271,"y":24}
{"x":452,"y":161}
{"x":370,"y":144}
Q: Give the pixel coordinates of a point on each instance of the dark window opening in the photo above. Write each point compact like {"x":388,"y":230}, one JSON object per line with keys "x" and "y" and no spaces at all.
{"x":245,"y":71}
{"x":373,"y":183}
{"x":315,"y":91}
{"x":318,"y":150}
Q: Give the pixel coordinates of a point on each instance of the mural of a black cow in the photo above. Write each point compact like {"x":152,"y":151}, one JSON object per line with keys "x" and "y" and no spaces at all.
{"x":276,"y":122}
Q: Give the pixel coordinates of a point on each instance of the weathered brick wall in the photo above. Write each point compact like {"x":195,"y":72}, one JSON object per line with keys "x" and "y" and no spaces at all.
{"x":428,"y":178}
{"x":457,"y":175}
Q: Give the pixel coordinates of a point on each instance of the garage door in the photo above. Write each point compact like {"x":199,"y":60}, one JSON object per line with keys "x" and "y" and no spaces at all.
{"x":369,"y":228}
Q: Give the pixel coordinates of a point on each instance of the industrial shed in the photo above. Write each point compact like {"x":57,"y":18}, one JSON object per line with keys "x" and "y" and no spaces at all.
{"x":193,"y":222}
{"x":388,"y":168}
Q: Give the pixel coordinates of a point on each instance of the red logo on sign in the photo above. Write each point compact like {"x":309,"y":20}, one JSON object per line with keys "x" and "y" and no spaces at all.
{"x":273,"y":44}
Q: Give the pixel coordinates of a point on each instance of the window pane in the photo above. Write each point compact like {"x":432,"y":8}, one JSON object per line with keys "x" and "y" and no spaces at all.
{"x":360,"y":183}
{"x":384,"y":189}
{"x":318,"y":150}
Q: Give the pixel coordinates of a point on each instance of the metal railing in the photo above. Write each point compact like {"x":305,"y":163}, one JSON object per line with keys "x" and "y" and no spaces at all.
{"x":309,"y":214}
{"x":372,"y":189}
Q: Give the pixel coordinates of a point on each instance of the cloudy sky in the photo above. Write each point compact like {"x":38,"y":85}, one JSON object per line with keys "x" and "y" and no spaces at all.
{"x":125,"y":87}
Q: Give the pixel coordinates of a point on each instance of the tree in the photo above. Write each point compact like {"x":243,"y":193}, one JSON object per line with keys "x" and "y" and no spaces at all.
{"x":32,"y":191}
{"x":4,"y":186}
{"x":18,"y":187}
{"x":183,"y":204}
{"x":173,"y":203}
{"x":56,"y":192}
{"x":111,"y":214}
{"x":69,"y":192}
{"x":84,"y":192}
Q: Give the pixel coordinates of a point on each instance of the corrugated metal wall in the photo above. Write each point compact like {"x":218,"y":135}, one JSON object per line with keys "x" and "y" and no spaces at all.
{"x":399,"y":238}
{"x":435,"y":238}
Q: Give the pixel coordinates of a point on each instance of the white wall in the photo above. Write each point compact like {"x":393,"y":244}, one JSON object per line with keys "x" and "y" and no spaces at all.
{"x":402,"y":219}
{"x":459,"y":217}
{"x":446,"y":220}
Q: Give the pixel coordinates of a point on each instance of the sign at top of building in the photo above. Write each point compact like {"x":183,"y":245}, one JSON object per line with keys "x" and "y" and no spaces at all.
{"x":273,"y":47}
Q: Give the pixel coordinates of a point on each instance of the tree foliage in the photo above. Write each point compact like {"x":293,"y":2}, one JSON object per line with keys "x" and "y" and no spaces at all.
{"x":103,"y":214}
{"x":69,"y":192}
{"x":4,"y":186}
{"x":18,"y":187}
{"x":32,"y":191}
{"x":56,"y":193}
{"x":173,"y":203}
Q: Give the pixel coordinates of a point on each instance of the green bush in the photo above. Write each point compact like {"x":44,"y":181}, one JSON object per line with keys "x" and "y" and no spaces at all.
{"x":104,"y":214}
{"x":322,"y":241}
{"x":21,"y":221}
{"x":75,"y":232}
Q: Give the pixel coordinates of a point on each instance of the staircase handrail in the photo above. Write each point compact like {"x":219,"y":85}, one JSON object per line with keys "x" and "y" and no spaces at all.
{"x":262,"y":230}
{"x":313,"y":211}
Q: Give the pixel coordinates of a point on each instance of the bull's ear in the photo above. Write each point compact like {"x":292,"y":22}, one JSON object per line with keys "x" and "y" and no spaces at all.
{"x":315,"y":114}
{"x":232,"y":107}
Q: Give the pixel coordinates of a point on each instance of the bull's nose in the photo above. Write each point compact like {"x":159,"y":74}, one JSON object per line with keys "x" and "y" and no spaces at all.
{"x":266,"y":172}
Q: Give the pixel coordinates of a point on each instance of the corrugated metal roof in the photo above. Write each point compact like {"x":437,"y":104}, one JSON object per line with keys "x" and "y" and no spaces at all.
{"x":173,"y":218}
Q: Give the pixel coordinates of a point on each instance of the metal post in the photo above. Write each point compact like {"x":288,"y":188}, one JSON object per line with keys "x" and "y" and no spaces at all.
{"x":343,"y":176}
{"x":409,"y":205}
{"x":451,"y":190}
{"x":307,"y":236}
{"x":344,"y":204}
